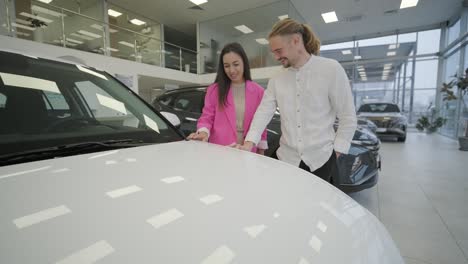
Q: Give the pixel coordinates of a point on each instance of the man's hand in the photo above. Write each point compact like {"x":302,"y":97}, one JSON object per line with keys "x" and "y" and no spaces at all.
{"x":200,"y":136}
{"x":338,"y":154}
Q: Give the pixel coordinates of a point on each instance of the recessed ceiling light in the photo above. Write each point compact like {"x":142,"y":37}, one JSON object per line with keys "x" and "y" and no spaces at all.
{"x":96,"y":26}
{"x":113,"y":13}
{"x":391,"y":53}
{"x":81,"y":36}
{"x":127,"y":44}
{"x":22,"y":26}
{"x":89,"y":34}
{"x":393,"y":46}
{"x":36,"y":17}
{"x":329,"y":17}
{"x":74,"y":41}
{"x":45,"y":1}
{"x":408,"y":3}
{"x":137,"y":22}
{"x":357,"y":57}
{"x":346,"y":52}
{"x":244,"y":29}
{"x":262,"y":41}
{"x":198,"y":2}
{"x":283,"y":17}
{"x":46,"y":11}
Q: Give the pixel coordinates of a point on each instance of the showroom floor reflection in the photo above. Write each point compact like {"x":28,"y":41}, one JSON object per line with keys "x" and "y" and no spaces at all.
{"x":421,"y":198}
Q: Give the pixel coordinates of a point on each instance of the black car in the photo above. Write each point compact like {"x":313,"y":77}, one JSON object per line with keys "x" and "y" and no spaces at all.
{"x":388,"y":118}
{"x":357,"y":170}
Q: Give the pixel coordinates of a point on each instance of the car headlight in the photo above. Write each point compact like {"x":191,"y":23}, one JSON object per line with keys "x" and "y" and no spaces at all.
{"x":362,"y":142}
{"x":356,"y":164}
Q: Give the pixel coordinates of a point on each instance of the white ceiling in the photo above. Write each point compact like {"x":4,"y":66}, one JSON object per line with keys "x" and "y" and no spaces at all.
{"x":373,"y":20}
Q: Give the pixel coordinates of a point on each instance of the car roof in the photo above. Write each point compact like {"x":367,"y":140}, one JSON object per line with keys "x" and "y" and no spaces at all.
{"x":64,"y":59}
{"x":185,"y":89}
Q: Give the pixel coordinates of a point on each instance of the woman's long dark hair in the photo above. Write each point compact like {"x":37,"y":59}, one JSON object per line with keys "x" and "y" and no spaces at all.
{"x":223,"y":81}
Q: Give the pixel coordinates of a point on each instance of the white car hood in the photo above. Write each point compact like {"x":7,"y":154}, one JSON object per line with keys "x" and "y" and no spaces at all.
{"x":223,"y":206}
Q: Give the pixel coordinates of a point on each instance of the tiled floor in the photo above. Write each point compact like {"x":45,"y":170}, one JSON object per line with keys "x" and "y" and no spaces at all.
{"x":422,"y":198}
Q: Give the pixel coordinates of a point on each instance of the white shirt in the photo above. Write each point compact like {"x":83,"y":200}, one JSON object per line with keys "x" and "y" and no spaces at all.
{"x":309,"y":100}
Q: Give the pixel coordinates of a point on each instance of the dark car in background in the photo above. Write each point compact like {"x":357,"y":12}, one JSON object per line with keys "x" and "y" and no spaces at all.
{"x":357,"y":170}
{"x":389,"y":119}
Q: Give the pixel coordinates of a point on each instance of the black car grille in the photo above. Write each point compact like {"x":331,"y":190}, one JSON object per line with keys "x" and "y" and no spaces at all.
{"x":382,"y":123}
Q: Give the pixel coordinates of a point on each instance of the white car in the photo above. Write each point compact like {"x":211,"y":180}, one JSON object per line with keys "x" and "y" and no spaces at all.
{"x":98,"y":176}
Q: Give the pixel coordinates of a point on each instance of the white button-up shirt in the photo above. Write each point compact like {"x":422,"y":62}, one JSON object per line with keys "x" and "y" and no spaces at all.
{"x":309,"y":100}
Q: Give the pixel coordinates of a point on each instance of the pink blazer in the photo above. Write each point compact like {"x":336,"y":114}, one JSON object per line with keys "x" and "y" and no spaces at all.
{"x":221,"y":122}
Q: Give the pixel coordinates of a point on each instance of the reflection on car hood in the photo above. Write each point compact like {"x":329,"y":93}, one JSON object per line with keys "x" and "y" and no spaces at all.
{"x":368,"y":114}
{"x":183,"y":202}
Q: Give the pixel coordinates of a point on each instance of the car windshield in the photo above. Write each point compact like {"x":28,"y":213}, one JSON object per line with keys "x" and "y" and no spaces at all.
{"x":379,"y":108}
{"x":46,"y":104}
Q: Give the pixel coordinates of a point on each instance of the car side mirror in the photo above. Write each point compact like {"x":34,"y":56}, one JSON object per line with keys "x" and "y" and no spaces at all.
{"x":172,"y":118}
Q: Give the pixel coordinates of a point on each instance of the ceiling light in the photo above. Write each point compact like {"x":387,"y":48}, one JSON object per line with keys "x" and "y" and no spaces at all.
{"x":262,"y":41}
{"x":36,"y":17}
{"x":113,"y":13}
{"x":329,"y":17}
{"x":391,"y":53}
{"x":96,"y":26}
{"x":393,"y":46}
{"x":283,"y":17}
{"x":23,"y":34}
{"x":46,"y":11}
{"x":45,"y":1}
{"x":357,"y":57}
{"x":198,"y":2}
{"x":74,"y":41}
{"x":137,"y":22}
{"x":23,"y":27}
{"x":81,"y":36}
{"x":127,"y":44}
{"x":22,"y":21}
{"x":346,"y":52}
{"x":244,"y":29}
{"x":408,"y":3}
{"x":89,"y":34}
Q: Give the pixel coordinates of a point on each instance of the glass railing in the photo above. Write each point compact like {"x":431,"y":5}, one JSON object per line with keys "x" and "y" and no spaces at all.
{"x":53,"y":25}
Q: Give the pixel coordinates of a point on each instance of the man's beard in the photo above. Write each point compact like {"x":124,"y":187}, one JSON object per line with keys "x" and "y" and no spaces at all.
{"x":287,"y":65}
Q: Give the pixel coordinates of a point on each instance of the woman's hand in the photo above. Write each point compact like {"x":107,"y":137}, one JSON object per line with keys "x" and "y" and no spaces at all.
{"x":200,"y":136}
{"x":261,"y":151}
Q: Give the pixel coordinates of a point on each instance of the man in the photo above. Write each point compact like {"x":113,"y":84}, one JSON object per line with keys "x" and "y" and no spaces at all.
{"x":311,"y":93}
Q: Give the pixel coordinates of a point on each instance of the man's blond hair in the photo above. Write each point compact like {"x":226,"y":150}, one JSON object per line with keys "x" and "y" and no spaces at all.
{"x":290,"y":26}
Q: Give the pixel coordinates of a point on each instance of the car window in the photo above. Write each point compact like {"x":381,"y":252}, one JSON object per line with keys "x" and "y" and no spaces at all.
{"x":189,"y":101}
{"x":379,"y":108}
{"x":3,"y":100}
{"x":166,"y":100}
{"x":48,"y":103}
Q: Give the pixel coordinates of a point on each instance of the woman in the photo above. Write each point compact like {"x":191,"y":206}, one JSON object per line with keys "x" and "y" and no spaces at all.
{"x":230,"y":102}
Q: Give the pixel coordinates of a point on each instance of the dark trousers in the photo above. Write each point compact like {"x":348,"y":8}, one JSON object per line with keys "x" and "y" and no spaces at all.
{"x":326,"y":172}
